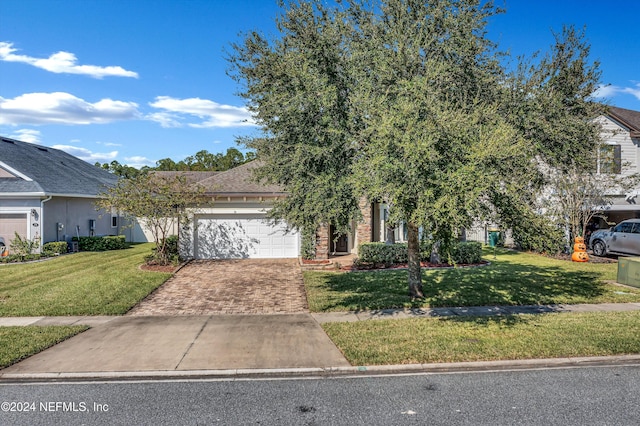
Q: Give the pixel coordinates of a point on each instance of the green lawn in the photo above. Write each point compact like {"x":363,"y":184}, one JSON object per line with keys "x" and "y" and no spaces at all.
{"x":460,"y":339}
{"x":17,"y":343}
{"x":513,"y":278}
{"x":86,"y":283}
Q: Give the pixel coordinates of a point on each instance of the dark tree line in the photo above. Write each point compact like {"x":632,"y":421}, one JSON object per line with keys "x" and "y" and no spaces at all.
{"x":201,"y":161}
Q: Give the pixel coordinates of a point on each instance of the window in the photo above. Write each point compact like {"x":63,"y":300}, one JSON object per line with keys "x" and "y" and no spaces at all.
{"x":610,"y":159}
{"x":625,"y":227}
{"x":114,"y":221}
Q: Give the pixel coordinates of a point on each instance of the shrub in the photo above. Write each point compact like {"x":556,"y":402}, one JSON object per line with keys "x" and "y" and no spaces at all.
{"x":113,"y":242}
{"x":467,"y":252}
{"x":171,"y":253}
{"x":172,"y":246}
{"x":23,"y":247}
{"x":55,"y":248}
{"x":382,"y":253}
{"x":388,"y":254}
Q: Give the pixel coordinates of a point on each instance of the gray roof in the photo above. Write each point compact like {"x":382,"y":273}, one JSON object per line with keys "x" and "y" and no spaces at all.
{"x":52,"y":172}
{"x":239,"y":181}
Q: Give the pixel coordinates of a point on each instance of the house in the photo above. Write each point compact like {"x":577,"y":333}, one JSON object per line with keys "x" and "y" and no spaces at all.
{"x":620,"y":155}
{"x":236,"y":225}
{"x":48,"y":194}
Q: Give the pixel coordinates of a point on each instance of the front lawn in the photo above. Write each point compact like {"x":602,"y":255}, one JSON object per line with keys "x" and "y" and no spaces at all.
{"x":17,"y":343}
{"x":461,"y":339}
{"x":513,"y":278}
{"x":86,"y":283}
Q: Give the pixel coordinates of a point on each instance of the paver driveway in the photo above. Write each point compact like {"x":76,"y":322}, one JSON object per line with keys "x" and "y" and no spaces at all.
{"x":243,"y":286}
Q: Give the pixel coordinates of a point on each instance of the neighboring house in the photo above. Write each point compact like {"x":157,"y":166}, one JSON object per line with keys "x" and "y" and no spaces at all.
{"x":48,"y":194}
{"x":235,"y":225}
{"x":620,"y":154}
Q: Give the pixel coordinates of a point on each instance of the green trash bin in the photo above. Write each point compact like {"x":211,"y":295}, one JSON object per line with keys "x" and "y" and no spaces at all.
{"x":494,"y":237}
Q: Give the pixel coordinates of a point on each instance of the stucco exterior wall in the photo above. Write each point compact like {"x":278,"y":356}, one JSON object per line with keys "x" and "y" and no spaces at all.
{"x":74,"y":214}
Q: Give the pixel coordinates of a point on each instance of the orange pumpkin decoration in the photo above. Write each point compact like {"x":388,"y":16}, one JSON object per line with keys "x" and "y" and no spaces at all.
{"x":579,"y":251}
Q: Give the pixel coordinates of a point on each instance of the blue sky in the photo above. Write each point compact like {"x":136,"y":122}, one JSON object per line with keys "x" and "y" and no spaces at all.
{"x":141,"y":80}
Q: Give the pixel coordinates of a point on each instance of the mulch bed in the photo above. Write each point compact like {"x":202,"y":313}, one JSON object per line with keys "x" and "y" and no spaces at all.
{"x":158,"y":268}
{"x":316,"y":262}
{"x":380,"y":266}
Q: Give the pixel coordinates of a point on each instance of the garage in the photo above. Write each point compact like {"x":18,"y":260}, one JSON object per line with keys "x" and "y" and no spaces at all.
{"x":10,"y":223}
{"x":237,"y":236}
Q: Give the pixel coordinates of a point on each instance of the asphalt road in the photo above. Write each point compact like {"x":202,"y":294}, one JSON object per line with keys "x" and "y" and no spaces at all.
{"x":578,"y":396}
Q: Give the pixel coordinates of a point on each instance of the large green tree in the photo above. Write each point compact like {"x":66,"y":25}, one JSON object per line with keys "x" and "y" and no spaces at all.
{"x":299,"y":89}
{"x":406,"y":102}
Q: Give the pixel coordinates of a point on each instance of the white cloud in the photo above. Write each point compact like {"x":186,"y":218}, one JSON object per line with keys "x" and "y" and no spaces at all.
{"x":138,"y":161}
{"x":26,"y":135}
{"x":109,"y":144}
{"x":63,"y":62}
{"x":63,"y":108}
{"x":165,"y":119}
{"x":635,"y":91}
{"x":86,"y":155}
{"x":209,"y":113}
{"x":611,"y":91}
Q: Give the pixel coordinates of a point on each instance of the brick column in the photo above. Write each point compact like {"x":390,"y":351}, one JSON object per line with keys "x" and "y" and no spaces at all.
{"x":322,"y":242}
{"x":363,"y":228}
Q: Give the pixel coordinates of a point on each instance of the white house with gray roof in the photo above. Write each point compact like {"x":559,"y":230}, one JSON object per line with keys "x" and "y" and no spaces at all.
{"x":48,"y":194}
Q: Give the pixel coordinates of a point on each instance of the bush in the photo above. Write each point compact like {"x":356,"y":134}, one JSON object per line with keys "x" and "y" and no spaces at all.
{"x":55,"y":248}
{"x":113,"y":242}
{"x":382,"y":253}
{"x":467,"y":252}
{"x":172,"y":246}
{"x":23,"y":247}
{"x":171,"y":254}
{"x":388,"y":254}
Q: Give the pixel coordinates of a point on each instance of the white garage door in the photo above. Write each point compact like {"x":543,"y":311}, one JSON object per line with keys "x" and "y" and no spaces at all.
{"x":236,"y":236}
{"x":10,"y":224}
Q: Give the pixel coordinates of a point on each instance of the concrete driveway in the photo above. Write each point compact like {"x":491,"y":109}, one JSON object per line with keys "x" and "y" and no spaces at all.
{"x":188,"y":343}
{"x":240,"y":286}
{"x":210,"y":315}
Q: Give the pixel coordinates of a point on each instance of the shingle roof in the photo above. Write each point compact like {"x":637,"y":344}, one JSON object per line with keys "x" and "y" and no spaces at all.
{"x":629,"y":118}
{"x":191,"y":176}
{"x":52,"y":172}
{"x":239,"y":181}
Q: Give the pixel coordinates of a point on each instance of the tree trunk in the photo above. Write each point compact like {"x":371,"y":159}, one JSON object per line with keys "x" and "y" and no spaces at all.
{"x":390,"y":234}
{"x":415,"y":272}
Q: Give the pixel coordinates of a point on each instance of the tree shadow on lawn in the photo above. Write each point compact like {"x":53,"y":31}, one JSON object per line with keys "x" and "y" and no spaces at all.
{"x":501,"y":283}
{"x":485,"y":321}
{"x":512,"y":284}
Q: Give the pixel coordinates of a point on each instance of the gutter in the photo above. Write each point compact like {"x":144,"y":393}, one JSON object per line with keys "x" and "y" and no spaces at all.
{"x":43,"y":194}
{"x":42,"y":220}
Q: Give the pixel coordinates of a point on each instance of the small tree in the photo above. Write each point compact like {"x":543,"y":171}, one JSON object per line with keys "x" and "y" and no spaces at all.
{"x":577,"y":196}
{"x":24,"y":247}
{"x":156,"y":202}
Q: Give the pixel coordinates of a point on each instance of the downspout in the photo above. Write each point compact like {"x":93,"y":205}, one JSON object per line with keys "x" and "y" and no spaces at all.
{"x":42,"y":220}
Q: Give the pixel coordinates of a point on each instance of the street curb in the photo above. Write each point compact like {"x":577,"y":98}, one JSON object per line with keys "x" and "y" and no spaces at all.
{"x":320,"y":372}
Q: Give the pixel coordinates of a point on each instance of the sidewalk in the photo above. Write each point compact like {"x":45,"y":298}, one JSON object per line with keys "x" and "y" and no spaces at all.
{"x":365,"y":315}
{"x":234,"y":346}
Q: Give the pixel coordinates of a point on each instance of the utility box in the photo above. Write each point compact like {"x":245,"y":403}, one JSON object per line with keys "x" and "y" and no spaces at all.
{"x":494,"y":237}
{"x":629,"y":271}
